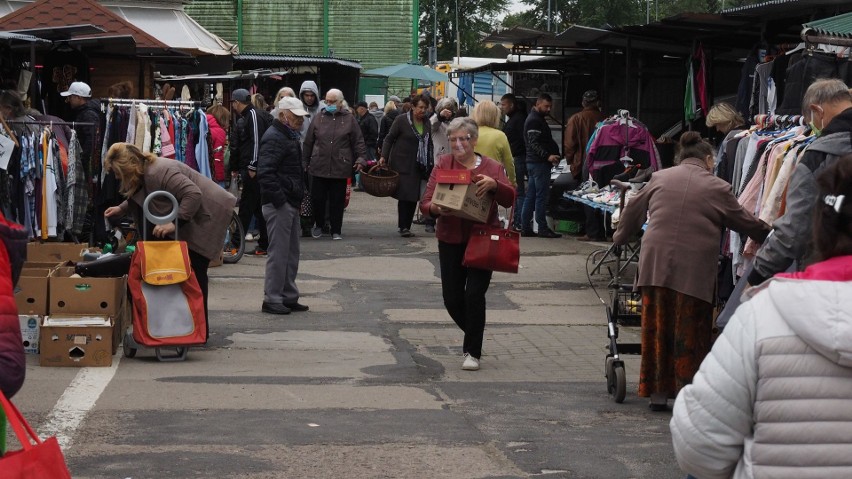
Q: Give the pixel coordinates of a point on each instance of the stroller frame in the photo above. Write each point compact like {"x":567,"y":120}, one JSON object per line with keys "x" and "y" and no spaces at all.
{"x":623,"y":308}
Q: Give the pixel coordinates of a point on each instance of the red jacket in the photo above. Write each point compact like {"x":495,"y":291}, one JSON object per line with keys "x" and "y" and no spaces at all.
{"x":217,"y":134}
{"x":13,"y":365}
{"x":455,"y":230}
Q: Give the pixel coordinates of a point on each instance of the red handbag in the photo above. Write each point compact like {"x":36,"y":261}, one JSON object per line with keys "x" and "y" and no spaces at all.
{"x":38,"y":458}
{"x":492,"y":248}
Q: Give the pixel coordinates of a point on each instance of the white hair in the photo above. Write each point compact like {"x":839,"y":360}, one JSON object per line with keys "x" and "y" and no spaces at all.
{"x":334,"y":92}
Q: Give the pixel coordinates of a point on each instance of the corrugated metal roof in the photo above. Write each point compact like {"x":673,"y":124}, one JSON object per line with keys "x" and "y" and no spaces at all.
{"x":376,"y":35}
{"x":220,"y":17}
{"x":775,"y":6}
{"x":839,"y":26}
{"x":296,"y":59}
{"x":22,"y":37}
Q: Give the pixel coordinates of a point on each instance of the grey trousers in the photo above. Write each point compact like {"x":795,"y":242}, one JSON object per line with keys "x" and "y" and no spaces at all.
{"x":282,"y":261}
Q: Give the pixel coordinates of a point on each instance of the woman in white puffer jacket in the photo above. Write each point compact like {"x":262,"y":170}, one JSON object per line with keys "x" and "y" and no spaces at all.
{"x":774,"y":396}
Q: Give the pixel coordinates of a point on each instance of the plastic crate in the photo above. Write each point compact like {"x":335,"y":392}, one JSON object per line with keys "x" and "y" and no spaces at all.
{"x":567,"y":226}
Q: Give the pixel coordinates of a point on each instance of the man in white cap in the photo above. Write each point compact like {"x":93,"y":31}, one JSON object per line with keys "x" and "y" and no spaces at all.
{"x":89,"y":125}
{"x":282,"y":187}
{"x":85,"y":110}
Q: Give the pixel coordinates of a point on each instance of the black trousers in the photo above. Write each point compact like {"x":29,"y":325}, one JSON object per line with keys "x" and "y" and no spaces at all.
{"x":199,"y":266}
{"x":331,"y":192}
{"x":464,"y":295}
{"x":250,"y":206}
{"x":595,"y":227}
{"x":405,"y":211}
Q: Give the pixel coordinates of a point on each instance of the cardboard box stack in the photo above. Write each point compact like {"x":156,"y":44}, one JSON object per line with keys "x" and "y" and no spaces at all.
{"x":69,"y":321}
{"x":86,"y":317}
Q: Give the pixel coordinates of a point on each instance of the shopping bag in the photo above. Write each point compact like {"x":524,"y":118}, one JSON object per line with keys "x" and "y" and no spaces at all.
{"x":348,"y":192}
{"x":167,"y":314}
{"x":38,"y":459}
{"x":493,"y":249}
{"x":164,"y":262}
{"x":306,"y":209}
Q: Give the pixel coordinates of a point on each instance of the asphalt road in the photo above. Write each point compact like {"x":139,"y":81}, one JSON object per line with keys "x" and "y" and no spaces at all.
{"x":368,"y":383}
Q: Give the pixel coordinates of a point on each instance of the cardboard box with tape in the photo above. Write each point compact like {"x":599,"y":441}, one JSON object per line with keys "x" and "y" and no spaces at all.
{"x":76,"y":341}
{"x":79,"y":340}
{"x":456,"y":191}
{"x":31,"y":292}
{"x":55,"y":252}
{"x":75,"y":295}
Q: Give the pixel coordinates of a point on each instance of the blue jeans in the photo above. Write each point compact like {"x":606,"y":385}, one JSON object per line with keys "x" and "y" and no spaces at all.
{"x":536,"y":197}
{"x":520,"y":190}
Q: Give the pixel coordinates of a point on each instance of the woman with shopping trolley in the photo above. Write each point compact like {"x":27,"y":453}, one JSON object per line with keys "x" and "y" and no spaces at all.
{"x":686,"y":209}
{"x":204,"y":208}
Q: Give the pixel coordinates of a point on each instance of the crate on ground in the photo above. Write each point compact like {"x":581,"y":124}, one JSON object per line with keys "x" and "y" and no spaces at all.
{"x":568,"y":226}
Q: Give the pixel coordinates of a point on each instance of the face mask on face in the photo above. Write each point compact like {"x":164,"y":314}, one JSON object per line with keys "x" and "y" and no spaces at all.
{"x":331,"y":108}
{"x":817,"y":130}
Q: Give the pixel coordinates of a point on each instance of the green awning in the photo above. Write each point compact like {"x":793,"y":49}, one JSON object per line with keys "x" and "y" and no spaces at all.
{"x":839,"y":26}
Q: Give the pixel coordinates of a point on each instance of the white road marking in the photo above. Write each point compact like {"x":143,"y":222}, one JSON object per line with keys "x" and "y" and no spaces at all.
{"x":76,"y":402}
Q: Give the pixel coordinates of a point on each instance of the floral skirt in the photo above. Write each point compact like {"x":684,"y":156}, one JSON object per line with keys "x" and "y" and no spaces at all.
{"x":676,"y":336}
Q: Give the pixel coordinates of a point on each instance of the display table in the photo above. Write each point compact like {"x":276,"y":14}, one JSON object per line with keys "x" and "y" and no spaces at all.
{"x":600,"y":206}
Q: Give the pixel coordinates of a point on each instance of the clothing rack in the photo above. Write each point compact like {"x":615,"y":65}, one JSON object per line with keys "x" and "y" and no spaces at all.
{"x":72,"y":124}
{"x":132,"y":102}
{"x":780,"y":121}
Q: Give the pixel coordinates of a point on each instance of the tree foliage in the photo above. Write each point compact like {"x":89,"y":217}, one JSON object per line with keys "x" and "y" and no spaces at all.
{"x":475,"y":18}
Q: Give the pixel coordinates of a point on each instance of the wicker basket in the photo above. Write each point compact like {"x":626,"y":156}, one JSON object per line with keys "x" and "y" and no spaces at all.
{"x":380,"y":181}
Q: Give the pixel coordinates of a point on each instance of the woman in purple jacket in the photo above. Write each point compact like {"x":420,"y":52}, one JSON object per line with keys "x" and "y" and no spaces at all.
{"x":464,"y":288}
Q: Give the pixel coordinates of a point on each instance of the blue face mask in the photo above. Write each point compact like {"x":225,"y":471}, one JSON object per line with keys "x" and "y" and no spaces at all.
{"x":331,"y":108}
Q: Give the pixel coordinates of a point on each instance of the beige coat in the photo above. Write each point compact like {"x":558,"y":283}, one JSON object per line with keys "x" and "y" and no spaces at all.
{"x":687,"y":208}
{"x":204,"y":208}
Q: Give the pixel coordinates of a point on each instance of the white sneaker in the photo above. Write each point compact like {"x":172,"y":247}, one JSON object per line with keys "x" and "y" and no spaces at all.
{"x":470,"y":363}
{"x":336,"y":237}
{"x":249,"y":237}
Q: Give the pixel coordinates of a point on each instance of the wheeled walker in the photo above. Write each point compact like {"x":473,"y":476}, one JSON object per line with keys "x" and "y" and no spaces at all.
{"x":624,"y":307}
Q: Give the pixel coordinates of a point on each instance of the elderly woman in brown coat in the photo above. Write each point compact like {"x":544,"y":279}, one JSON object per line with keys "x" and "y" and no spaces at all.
{"x":333,"y":147}
{"x":686,"y":209}
{"x":204,"y":208}
{"x":408,"y":151}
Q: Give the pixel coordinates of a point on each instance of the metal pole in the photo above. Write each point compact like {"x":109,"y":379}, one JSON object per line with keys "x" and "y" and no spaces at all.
{"x":458,"y":37}
{"x":325,"y":27}
{"x":415,"y":31}
{"x":435,"y":31}
{"x":548,"y":16}
{"x":647,"y":11}
{"x":240,"y":25}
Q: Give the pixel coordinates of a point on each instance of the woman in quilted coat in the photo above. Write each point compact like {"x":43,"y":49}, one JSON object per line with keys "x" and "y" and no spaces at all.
{"x":13,"y":251}
{"x":772,"y":397}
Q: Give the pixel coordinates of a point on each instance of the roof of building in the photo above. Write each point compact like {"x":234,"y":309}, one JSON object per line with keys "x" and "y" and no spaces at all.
{"x":172,"y":26}
{"x":291,"y":60}
{"x":839,"y":26}
{"x":785,"y":7}
{"x":46,"y":14}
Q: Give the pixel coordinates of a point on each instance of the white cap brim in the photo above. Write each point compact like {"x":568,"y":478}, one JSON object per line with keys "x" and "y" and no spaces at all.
{"x":298,"y":111}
